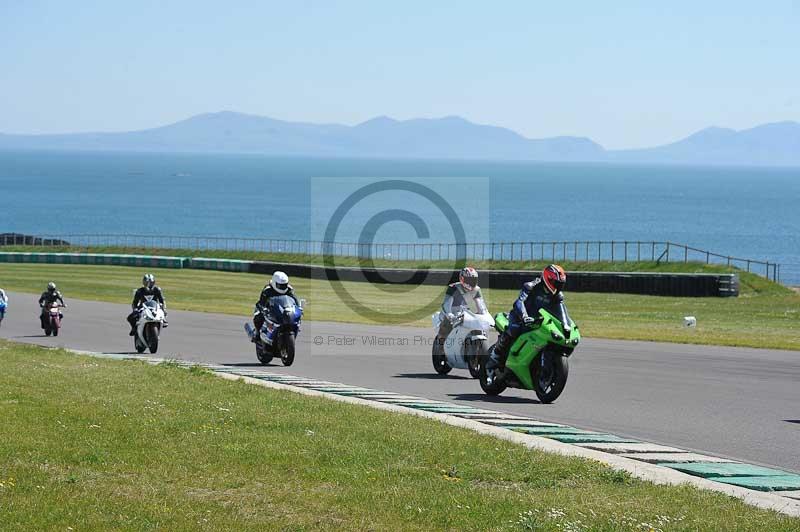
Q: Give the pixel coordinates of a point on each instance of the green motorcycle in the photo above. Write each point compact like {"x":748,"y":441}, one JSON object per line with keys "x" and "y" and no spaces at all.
{"x":537,"y":360}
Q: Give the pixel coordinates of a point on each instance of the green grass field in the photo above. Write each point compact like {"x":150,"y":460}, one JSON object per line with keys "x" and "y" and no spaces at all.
{"x":93,"y":444}
{"x":763,"y":316}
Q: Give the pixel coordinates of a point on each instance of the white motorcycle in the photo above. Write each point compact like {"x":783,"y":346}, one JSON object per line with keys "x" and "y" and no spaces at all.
{"x":466,"y":344}
{"x":148,"y":326}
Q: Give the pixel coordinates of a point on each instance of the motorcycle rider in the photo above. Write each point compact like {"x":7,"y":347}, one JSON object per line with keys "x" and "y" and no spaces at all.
{"x":464,"y":293}
{"x":149,"y":290}
{"x":48,"y":297}
{"x":278,"y":286}
{"x":4,"y":300}
{"x":543,"y":292}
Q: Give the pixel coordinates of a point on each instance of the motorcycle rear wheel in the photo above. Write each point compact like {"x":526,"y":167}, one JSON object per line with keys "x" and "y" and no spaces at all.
{"x":140,"y":347}
{"x":497,"y":386}
{"x":262,"y":356}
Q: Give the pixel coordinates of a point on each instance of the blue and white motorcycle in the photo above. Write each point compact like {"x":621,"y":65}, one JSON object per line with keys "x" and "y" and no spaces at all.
{"x":277,"y":337}
{"x":3,"y":306}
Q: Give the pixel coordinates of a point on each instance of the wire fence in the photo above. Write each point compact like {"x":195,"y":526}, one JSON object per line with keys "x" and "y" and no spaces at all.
{"x":576,"y":251}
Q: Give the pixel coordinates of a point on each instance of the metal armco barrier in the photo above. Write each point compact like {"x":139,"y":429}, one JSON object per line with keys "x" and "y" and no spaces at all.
{"x":657,"y":284}
{"x":550,"y":251}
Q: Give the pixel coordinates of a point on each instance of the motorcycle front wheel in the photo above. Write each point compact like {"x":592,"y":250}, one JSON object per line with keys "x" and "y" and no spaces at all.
{"x":477,"y":351}
{"x":549,"y":373}
{"x":287,"y":351}
{"x":151,"y":335}
{"x":439,"y":359}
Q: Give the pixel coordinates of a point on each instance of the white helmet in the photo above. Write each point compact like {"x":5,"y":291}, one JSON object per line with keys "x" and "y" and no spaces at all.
{"x":280,"y":282}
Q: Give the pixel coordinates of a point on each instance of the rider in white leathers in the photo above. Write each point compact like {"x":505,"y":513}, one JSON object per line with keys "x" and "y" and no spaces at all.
{"x":464,"y":293}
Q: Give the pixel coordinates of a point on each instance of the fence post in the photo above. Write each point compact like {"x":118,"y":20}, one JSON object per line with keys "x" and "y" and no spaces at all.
{"x":667,"y":251}
{"x":626,"y":251}
{"x":612,"y":251}
{"x":685,"y":254}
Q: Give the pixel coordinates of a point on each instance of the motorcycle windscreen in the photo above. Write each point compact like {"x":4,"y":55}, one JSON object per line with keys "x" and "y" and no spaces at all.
{"x":278,"y":305}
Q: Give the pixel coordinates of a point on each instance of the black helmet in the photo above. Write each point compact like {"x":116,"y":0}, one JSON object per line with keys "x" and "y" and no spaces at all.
{"x":51,"y":286}
{"x":148,"y":280}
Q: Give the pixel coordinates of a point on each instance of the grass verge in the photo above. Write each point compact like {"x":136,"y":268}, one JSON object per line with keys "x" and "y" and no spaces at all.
{"x":92,"y":444}
{"x":768,"y":319}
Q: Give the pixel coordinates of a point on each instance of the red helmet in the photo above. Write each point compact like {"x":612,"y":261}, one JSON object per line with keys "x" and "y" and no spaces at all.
{"x":468,"y":278}
{"x":554,"y":278}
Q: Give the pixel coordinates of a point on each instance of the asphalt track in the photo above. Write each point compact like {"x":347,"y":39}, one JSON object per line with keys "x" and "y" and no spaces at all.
{"x":737,"y":403}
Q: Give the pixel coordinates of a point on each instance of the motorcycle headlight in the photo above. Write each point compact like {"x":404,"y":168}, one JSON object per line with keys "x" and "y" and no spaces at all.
{"x":556,"y":336}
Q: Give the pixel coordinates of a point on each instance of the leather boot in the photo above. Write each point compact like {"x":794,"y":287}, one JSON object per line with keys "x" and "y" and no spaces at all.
{"x":500,"y":351}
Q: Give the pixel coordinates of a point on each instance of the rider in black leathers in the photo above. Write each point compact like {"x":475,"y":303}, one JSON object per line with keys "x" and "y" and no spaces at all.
{"x":48,"y":297}
{"x":543,"y":292}
{"x":278,"y":286}
{"x":149,"y":290}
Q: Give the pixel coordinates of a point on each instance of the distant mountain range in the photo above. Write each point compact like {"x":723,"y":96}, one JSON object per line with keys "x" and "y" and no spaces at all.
{"x":451,"y":137}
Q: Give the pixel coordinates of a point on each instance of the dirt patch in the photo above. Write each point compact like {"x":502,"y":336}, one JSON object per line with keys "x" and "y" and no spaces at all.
{"x":796,"y":289}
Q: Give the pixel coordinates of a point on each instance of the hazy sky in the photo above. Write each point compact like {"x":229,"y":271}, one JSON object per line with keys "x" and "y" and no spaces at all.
{"x":626,"y":74}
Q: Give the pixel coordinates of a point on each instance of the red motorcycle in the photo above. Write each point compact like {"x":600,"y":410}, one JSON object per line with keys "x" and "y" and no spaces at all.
{"x":51,"y":321}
